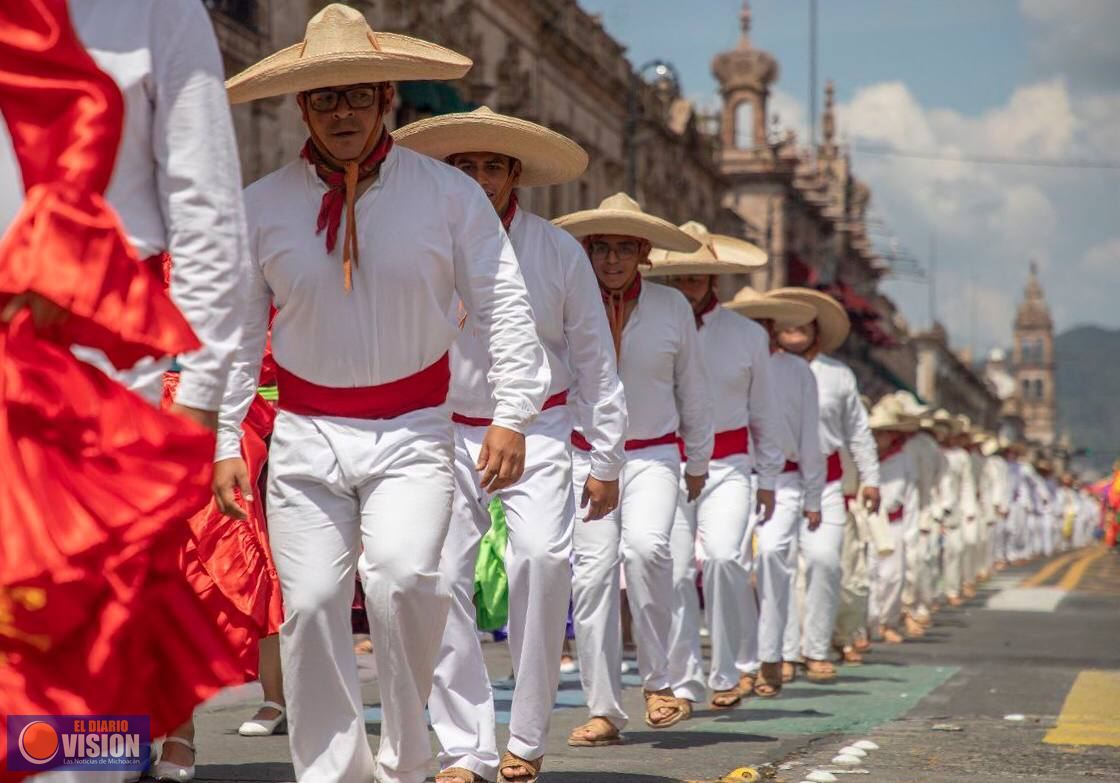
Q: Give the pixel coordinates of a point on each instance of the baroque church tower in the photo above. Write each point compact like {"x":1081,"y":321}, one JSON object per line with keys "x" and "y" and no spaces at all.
{"x":1033,"y":360}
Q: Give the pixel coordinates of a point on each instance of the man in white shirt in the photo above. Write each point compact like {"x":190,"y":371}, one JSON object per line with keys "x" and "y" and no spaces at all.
{"x":958,"y":508}
{"x":659,"y":360}
{"x":843,"y":423}
{"x":362,"y":452}
{"x":176,"y":187}
{"x":748,"y":425}
{"x":917,"y":595}
{"x":502,"y":153}
{"x":891,"y":427}
{"x":797,"y":517}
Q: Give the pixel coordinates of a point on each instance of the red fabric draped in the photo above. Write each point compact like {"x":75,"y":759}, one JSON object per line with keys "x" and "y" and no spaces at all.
{"x":95,"y":615}
{"x":711,"y":304}
{"x":228,"y":561}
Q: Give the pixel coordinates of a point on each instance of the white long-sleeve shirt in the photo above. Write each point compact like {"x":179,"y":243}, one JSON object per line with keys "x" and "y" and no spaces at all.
{"x":736,"y":353}
{"x":663,"y":377}
{"x":898,"y":490}
{"x":573,"y":328}
{"x":995,"y":489}
{"x":425,"y":232}
{"x":958,"y":488}
{"x":843,"y":418}
{"x":929,"y":464}
{"x":177,"y":180}
{"x":795,"y":387}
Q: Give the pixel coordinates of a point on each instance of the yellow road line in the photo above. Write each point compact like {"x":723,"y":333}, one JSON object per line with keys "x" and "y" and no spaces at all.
{"x":1049,"y":570}
{"x":1078,"y":569}
{"x":1089,"y":715}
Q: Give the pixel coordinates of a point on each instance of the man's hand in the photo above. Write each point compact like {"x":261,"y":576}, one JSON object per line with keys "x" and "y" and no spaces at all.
{"x":230,"y":474}
{"x":764,"y":505}
{"x":871,"y":499}
{"x":502,"y":459}
{"x":814,"y":518}
{"x":44,"y":312}
{"x":602,"y":497}
{"x":207,"y":419}
{"x":695,"y":485}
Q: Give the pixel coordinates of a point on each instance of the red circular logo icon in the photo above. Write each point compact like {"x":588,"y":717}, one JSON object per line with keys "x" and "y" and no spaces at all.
{"x":38,"y":742}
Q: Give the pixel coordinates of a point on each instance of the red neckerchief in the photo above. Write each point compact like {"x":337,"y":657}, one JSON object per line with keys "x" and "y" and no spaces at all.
{"x":511,"y":211}
{"x":712,"y":304}
{"x":616,"y":308}
{"x":896,"y":448}
{"x":341,"y":193}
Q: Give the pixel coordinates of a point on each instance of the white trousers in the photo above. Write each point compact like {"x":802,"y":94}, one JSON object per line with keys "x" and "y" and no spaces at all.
{"x":1018,"y":533}
{"x":952,"y":553}
{"x":917,"y":591}
{"x":539,"y":512}
{"x":637,"y":534}
{"x":716,"y":525}
{"x":886,"y":574}
{"x":775,"y":565}
{"x":809,"y":631}
{"x":970,"y":551}
{"x":337,"y":487}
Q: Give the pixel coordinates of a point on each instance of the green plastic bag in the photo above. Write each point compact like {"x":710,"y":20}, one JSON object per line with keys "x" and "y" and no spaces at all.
{"x":491,"y":587}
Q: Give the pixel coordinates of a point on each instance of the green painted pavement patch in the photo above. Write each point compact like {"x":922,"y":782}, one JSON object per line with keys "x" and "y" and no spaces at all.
{"x":861,"y":699}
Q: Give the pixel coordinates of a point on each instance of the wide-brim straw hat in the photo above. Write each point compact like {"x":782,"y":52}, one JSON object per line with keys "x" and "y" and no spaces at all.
{"x":833,"y":324}
{"x":910,"y":405}
{"x":619,"y":214}
{"x":786,"y":313}
{"x":547,"y":157}
{"x":962,"y":425}
{"x":992,"y":446}
{"x":340,"y":48}
{"x":940,"y":420}
{"x":888,"y":415}
{"x":719,"y":254}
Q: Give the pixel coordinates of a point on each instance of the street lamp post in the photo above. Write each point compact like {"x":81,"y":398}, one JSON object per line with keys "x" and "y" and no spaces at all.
{"x":662,"y":74}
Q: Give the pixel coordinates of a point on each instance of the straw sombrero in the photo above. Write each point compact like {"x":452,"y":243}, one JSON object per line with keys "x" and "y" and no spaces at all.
{"x":340,"y":48}
{"x":785,"y":312}
{"x":719,"y":254}
{"x":962,"y":425}
{"x":832,"y":320}
{"x":909,"y":404}
{"x":620,"y":214}
{"x":889,"y":415}
{"x":547,"y":158}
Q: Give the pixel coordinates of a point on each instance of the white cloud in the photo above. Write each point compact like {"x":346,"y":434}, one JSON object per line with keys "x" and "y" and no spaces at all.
{"x":790,"y":113}
{"x":991,"y":220}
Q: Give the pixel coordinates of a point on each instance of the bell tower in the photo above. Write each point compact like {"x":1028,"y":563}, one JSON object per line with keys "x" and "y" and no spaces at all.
{"x":1033,"y":360}
{"x":745,"y":75}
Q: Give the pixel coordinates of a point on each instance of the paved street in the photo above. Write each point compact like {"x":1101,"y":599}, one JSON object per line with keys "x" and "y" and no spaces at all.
{"x":1022,"y":683}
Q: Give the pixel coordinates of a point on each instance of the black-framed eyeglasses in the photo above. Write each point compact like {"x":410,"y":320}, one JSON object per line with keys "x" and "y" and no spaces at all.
{"x":358,"y":97}
{"x":626,"y":250}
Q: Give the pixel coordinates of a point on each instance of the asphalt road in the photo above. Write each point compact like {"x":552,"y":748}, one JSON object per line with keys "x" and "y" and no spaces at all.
{"x":1022,"y":683}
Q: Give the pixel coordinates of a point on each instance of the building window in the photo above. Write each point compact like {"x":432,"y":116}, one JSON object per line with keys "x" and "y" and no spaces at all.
{"x":1026,"y":389}
{"x":744,"y":125}
{"x":1038,"y":389}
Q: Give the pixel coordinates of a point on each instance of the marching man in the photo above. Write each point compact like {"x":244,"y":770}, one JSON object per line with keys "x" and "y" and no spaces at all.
{"x":362,"y":247}
{"x":797,"y":513}
{"x":659,"y":359}
{"x":843,"y":423}
{"x":502,"y":153}
{"x":747,"y":420}
{"x":891,"y":428}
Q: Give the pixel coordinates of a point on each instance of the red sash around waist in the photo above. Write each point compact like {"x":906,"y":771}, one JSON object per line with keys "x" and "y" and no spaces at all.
{"x":582,"y":443}
{"x":896,"y":515}
{"x":728,"y":443}
{"x":834,"y":468}
{"x":425,"y":389}
{"x":555,"y":401}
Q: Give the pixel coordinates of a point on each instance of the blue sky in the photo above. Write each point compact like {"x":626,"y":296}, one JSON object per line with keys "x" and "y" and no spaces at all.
{"x":1026,"y":78}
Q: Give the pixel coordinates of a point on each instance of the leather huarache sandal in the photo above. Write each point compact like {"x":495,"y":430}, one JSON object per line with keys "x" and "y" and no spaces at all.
{"x":768,"y":681}
{"x":509,"y":769}
{"x":659,"y":701}
{"x":789,"y":671}
{"x":819,"y":671}
{"x":459,"y":775}
{"x":746,"y":684}
{"x":726,"y":700}
{"x":597,"y":732}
